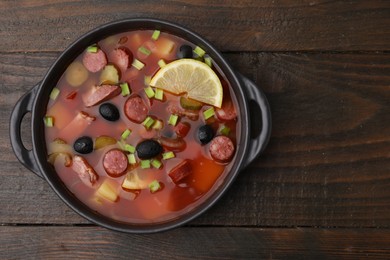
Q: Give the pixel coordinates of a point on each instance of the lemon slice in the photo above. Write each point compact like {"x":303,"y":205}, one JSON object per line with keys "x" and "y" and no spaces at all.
{"x":194,"y":78}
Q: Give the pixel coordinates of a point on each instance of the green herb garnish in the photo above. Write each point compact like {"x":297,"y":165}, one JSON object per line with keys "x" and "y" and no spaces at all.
{"x":54,"y":93}
{"x":149,"y":92}
{"x":125,"y":89}
{"x":148,"y":122}
{"x":168,"y":155}
{"x":208,"y":113}
{"x":159,"y":94}
{"x":199,"y":51}
{"x":131,"y":158}
{"x":145,"y":164}
{"x":125,"y":134}
{"x":144,"y":50}
{"x":49,"y":121}
{"x":138,"y":64}
{"x":155,"y":35}
{"x":154,"y":186}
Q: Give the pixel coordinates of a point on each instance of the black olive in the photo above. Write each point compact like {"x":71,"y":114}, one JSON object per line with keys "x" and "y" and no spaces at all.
{"x":148,"y":149}
{"x":205,"y":134}
{"x":109,"y":111}
{"x":185,"y":52}
{"x":83,"y":145}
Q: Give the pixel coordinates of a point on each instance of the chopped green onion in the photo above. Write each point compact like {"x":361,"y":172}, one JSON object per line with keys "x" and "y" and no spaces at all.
{"x":154,"y":186}
{"x":129,"y":148}
{"x":208,"y":61}
{"x":159,"y":94}
{"x":54,"y":93}
{"x":173,"y":119}
{"x":125,"y":89}
{"x":125,"y":134}
{"x":158,"y":125}
{"x":145,"y":164}
{"x":155,"y":35}
{"x":131,"y":158}
{"x":147,"y":80}
{"x":149,"y":92}
{"x":224,"y":130}
{"x":161,"y":63}
{"x":199,"y":51}
{"x":168,"y":155}
{"x":49,"y":121}
{"x":137,"y":64}
{"x":209,"y":113}
{"x":148,"y":122}
{"x":92,"y":48}
{"x":156,"y":164}
{"x":144,"y":50}
{"x":121,"y":145}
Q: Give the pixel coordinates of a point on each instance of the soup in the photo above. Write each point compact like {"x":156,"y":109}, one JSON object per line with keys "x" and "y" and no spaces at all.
{"x":142,"y":126}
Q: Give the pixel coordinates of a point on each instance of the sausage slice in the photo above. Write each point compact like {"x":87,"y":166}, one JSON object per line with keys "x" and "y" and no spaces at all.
{"x":115,"y":162}
{"x":94,"y":61}
{"x":221,"y":148}
{"x":135,"y":109}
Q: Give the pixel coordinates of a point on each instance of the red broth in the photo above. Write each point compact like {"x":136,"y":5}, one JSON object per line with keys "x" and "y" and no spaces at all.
{"x":72,"y":119}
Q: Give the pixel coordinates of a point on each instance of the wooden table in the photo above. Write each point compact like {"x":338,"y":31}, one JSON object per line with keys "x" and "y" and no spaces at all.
{"x":320,"y":190}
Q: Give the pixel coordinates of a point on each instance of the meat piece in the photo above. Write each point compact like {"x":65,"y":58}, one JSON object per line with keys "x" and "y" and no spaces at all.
{"x":94,"y":61}
{"x":77,"y":126}
{"x":101,"y":94}
{"x":71,"y":95}
{"x":85,"y":171}
{"x":176,"y":145}
{"x":121,"y":58}
{"x":221,"y":148}
{"x":190,"y":114}
{"x":135,"y":109}
{"x":115,"y":162}
{"x":227,"y":111}
{"x":87,"y":117}
{"x":180,"y":171}
{"x":182,"y":129}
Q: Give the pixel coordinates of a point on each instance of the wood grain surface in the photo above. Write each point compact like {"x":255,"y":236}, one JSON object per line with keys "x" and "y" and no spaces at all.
{"x":194,"y":243}
{"x":321,"y":189}
{"x":233,"y":25}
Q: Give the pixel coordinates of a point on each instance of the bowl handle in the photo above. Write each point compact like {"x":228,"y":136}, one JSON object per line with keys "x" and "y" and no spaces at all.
{"x":22,"y":107}
{"x":260,"y":120}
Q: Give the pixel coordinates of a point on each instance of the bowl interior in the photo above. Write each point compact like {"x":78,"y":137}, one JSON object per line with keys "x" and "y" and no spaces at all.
{"x":57,"y":70}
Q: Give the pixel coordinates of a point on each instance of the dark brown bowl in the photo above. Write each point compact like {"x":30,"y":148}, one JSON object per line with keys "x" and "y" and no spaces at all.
{"x":254,"y":129}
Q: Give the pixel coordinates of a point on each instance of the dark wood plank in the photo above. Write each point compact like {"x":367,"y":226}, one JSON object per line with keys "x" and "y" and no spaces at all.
{"x":193,"y":243}
{"x":327,"y":163}
{"x":232,"y":25}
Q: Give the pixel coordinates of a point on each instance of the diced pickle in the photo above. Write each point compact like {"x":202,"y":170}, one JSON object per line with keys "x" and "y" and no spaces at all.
{"x":103,"y":141}
{"x":190,"y":104}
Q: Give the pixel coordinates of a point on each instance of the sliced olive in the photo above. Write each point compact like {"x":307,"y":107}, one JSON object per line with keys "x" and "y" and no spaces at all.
{"x":83,"y":145}
{"x":205,"y":134}
{"x":148,"y":149}
{"x":185,"y":52}
{"x":109,"y":112}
